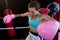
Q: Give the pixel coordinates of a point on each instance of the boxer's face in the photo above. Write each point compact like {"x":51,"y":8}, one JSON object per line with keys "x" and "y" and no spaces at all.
{"x":33,"y":11}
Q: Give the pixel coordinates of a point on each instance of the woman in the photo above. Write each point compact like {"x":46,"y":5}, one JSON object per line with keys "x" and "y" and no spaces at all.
{"x":33,"y":16}
{"x":34,"y":20}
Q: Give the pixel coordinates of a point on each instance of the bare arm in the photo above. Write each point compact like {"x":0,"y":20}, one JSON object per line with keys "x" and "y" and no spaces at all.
{"x":45,"y":17}
{"x":22,"y":15}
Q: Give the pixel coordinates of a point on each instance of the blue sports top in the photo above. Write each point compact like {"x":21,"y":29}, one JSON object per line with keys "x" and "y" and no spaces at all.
{"x":34,"y":23}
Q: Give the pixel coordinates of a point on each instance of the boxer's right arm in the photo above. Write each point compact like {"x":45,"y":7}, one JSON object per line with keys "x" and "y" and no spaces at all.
{"x":8,"y":18}
{"x":22,"y":15}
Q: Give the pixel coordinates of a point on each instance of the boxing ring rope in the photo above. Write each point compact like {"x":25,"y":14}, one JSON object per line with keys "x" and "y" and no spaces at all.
{"x":21,"y":27}
{"x":13,"y":28}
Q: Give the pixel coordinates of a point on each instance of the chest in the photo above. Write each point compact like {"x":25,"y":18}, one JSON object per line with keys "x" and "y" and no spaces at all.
{"x":34,"y":20}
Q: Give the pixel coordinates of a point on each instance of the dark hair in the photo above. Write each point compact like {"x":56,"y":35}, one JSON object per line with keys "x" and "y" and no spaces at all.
{"x":54,"y":8}
{"x":34,"y":4}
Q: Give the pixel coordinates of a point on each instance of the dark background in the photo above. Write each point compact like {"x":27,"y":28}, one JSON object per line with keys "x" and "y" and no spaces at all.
{"x":18,"y":7}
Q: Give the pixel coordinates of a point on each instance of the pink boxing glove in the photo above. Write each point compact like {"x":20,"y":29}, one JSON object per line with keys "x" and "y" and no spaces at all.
{"x":48,"y":29}
{"x":7,"y":19}
{"x":12,"y":16}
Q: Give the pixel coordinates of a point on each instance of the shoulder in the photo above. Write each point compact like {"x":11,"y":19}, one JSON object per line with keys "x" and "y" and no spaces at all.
{"x":43,"y":15}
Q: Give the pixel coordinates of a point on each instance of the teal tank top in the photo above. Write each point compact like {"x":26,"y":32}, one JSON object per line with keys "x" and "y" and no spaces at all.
{"x":34,"y":23}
